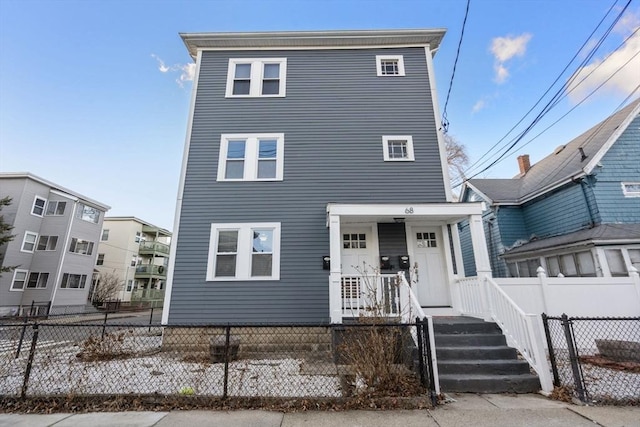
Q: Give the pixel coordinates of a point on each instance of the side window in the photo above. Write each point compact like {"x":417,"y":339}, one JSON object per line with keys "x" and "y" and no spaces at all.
{"x":397,"y":148}
{"x":247,"y":251}
{"x":252,"y":78}
{"x":29,"y":241}
{"x":251,"y":157}
{"x":38,"y":206}
{"x":56,"y":208}
{"x":390,"y":65}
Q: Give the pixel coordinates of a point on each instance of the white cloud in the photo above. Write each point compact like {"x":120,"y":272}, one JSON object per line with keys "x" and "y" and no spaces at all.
{"x":187,"y":71}
{"x":505,"y":49}
{"x":478,"y":106}
{"x":625,"y":62}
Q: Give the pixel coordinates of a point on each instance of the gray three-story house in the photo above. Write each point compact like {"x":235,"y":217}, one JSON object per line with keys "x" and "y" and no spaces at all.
{"x":313,"y":160}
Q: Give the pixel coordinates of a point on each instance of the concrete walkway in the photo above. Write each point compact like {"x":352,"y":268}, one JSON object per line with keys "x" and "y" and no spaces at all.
{"x":467,"y":410}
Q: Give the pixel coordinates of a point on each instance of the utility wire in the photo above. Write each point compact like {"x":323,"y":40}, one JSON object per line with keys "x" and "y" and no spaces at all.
{"x":552,"y":103}
{"x":445,"y":121}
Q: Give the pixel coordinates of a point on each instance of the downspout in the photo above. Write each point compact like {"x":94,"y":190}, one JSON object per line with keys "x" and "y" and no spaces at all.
{"x":584,"y":184}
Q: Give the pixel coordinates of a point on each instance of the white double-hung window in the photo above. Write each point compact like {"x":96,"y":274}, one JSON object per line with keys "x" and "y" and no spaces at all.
{"x":251,"y":157}
{"x":244,"y":251}
{"x":250,"y":77}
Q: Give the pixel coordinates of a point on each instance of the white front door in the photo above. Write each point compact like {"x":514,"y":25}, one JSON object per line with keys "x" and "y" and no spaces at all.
{"x":357,"y":251}
{"x":432,"y":285}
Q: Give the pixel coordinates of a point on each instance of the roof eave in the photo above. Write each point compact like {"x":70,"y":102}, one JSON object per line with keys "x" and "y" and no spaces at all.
{"x":311,"y":39}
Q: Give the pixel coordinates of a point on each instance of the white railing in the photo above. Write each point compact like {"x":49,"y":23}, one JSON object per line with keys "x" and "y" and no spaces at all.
{"x":410,"y":310}
{"x":470,"y":296}
{"x":523,"y":331}
{"x":370,"y":295}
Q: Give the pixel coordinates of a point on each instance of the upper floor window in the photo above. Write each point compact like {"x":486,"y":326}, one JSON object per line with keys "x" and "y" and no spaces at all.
{"x":100,"y":259}
{"x":55,"y":207}
{"x":29,"y":241}
{"x":88,"y":213}
{"x":244,"y":252}
{"x":397,"y":148}
{"x":256,"y":77}
{"x":38,"y":206}
{"x":19,"y":280}
{"x":79,"y":246}
{"x":389,"y":65}
{"x":251,"y":157}
{"x":631,"y":189}
{"x":47,"y":243}
{"x":138,"y":237}
{"x":105,"y":235}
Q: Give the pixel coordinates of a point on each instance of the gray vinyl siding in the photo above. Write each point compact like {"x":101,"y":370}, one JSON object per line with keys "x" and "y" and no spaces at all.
{"x":333,"y":117}
{"x":392,"y":242}
{"x":620,"y":164}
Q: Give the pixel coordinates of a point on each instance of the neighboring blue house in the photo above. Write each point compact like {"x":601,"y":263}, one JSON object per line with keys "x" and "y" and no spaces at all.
{"x":576,"y":212}
{"x":309,"y":154}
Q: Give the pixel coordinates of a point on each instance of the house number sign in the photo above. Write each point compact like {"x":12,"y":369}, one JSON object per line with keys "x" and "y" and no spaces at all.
{"x":408,"y":210}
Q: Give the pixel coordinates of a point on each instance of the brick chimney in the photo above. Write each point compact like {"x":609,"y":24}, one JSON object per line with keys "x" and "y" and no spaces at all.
{"x":523,"y":163}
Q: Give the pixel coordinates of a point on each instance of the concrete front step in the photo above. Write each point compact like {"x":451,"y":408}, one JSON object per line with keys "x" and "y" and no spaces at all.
{"x":525,"y":383}
{"x":484,"y":367}
{"x":449,"y":325}
{"x":475,"y":352}
{"x":454,"y":340}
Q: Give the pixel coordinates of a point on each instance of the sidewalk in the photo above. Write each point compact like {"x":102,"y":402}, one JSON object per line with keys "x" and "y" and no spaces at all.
{"x":467,"y":410}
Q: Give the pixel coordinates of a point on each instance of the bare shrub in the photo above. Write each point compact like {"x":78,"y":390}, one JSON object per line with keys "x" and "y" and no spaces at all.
{"x":109,"y":284}
{"x":112,"y":346}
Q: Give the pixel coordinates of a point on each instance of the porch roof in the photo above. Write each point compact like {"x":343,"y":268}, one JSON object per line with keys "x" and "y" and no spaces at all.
{"x":406,"y":212}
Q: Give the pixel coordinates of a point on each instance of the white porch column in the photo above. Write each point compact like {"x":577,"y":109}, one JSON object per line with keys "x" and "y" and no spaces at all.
{"x":335,"y":272}
{"x":481,"y":257}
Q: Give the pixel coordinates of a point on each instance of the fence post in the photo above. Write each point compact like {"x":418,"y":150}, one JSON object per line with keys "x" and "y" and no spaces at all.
{"x":544,"y":284}
{"x":33,"y":303}
{"x":226,"y":361}
{"x":151,"y":318}
{"x":421,"y":355}
{"x":24,"y":330}
{"x":552,"y":354}
{"x":27,"y":372}
{"x":104,"y":324}
{"x":573,"y":358}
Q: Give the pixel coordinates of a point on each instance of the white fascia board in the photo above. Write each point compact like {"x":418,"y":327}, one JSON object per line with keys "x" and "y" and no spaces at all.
{"x":436,"y":113}
{"x":303,"y":40}
{"x":612,"y":139}
{"x":183,"y":173}
{"x":475,"y":190}
{"x":406,"y":210}
{"x":52,"y":186}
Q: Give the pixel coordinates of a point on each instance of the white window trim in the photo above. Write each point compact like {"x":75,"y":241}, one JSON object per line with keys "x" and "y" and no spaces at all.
{"x":399,"y":58}
{"x":255,"y":79}
{"x":44,"y":207}
{"x":13,"y":279}
{"x":385,"y":147}
{"x":629,"y":193}
{"x":46,"y":284}
{"x":47,"y":244}
{"x":24,"y":240}
{"x":84,"y":284}
{"x":244,"y":252}
{"x":251,"y":155}
{"x":57,"y":202}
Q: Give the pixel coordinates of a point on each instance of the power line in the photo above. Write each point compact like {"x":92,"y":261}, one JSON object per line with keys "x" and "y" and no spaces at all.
{"x":445,"y":121}
{"x":552,"y":103}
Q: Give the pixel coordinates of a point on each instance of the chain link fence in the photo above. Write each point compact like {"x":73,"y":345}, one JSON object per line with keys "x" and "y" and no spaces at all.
{"x":596,"y":359}
{"x":270,"y":361}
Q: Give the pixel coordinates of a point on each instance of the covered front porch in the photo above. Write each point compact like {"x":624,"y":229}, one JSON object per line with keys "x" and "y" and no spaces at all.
{"x":371,"y":243}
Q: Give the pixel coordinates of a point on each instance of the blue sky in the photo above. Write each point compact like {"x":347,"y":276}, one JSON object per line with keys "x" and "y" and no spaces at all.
{"x":94,"y":95}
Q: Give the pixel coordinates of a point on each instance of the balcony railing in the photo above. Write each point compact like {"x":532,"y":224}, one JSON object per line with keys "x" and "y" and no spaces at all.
{"x":153,"y":248}
{"x":147,"y":295}
{"x":147,"y":270}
